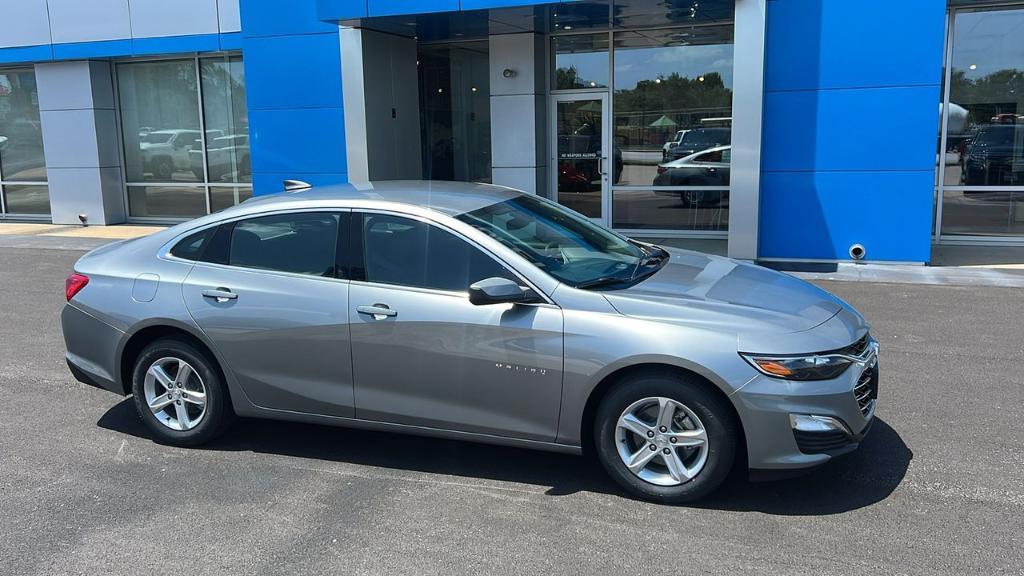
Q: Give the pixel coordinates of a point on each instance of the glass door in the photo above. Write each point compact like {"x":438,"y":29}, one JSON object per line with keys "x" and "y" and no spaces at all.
{"x":580,"y":153}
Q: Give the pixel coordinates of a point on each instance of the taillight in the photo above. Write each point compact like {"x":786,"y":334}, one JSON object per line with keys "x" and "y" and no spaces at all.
{"x":74,"y":284}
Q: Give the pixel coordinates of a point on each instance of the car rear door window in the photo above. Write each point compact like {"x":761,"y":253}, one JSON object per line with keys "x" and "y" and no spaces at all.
{"x":408,"y":252}
{"x":298,"y":243}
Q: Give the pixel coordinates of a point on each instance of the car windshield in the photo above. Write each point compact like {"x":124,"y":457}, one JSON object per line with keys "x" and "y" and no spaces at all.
{"x":999,"y":135}
{"x":565,"y":245}
{"x":707,"y":137}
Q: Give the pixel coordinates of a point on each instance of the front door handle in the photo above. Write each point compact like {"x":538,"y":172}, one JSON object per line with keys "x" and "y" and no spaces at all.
{"x":378,"y":311}
{"x":221,"y":295}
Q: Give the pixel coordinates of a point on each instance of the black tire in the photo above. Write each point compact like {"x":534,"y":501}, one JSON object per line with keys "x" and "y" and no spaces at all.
{"x":163,"y":169}
{"x":696,"y":394}
{"x":218,"y":413}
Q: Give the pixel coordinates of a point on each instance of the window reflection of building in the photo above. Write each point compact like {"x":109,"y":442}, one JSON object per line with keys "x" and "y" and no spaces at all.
{"x":23,"y":180}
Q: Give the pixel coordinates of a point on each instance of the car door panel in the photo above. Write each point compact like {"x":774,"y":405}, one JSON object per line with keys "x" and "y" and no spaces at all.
{"x":443,"y":362}
{"x":285,"y":337}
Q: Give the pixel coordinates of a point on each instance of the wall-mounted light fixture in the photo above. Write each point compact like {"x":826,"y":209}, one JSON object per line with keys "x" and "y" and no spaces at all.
{"x":508,"y":73}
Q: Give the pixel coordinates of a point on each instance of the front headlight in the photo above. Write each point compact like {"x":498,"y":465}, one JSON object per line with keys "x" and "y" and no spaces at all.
{"x":812,"y":367}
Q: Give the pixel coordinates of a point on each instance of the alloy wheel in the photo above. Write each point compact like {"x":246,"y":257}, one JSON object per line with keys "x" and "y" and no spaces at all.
{"x":661,"y":441}
{"x":175,"y":393}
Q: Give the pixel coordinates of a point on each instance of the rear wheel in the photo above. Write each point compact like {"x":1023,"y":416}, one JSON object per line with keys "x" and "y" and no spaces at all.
{"x":666,"y":437}
{"x":179,"y":394}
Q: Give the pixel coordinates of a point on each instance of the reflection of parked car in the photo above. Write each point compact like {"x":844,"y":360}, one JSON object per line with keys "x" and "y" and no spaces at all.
{"x":706,"y":168}
{"x":225,"y":155}
{"x":672,"y":144}
{"x":995,"y":156}
{"x":701,"y":139}
{"x":166,"y":151}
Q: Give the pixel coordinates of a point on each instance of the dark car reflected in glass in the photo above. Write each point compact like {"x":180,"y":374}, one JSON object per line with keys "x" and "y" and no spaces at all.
{"x":700,"y":139}
{"x":707,"y":168}
{"x":995,"y":155}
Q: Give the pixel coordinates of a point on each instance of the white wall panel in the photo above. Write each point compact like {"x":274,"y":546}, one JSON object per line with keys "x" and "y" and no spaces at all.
{"x":26,"y":23}
{"x":230,"y":20}
{"x":154,"y":18}
{"x":87,"y":21}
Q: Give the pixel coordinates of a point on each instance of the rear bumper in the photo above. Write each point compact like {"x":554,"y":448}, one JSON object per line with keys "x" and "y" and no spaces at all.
{"x":91,"y":349}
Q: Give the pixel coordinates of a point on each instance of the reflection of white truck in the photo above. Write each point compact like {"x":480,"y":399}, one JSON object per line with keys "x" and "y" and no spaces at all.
{"x":672,"y":144}
{"x":165,"y":152}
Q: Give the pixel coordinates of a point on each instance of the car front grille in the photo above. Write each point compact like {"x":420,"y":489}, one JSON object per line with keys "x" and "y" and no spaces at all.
{"x":866,"y":390}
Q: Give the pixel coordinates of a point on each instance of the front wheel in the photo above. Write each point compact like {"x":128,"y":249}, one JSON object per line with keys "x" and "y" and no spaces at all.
{"x":666,"y":437}
{"x":179,"y":393}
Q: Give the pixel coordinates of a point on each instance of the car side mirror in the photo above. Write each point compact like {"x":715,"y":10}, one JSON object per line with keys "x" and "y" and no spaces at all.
{"x":498,"y":291}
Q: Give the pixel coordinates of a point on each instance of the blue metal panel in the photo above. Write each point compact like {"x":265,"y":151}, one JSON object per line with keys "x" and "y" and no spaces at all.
{"x":396,"y":7}
{"x":816,"y":44}
{"x":26,"y":54}
{"x":270,"y":182}
{"x":818,"y":215}
{"x":102,"y":49}
{"x":293,"y":71}
{"x":298,"y":141}
{"x":277,"y":18}
{"x":176,"y":44}
{"x":482,"y":4}
{"x":342,"y":9}
{"x":231,"y":41}
{"x":857,"y":129}
{"x":850,"y":128}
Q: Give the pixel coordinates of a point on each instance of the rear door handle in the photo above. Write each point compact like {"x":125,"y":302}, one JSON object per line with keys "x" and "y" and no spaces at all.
{"x":378,"y":311}
{"x":221,"y":295}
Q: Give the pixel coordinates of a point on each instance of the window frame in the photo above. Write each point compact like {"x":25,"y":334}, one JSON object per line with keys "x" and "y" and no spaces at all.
{"x":357,"y":253}
{"x":207,"y":186}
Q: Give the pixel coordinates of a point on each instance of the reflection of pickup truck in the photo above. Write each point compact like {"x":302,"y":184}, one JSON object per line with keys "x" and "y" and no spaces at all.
{"x":672,"y":144}
{"x":225,"y":156}
{"x":165,"y":152}
{"x":995,"y":156}
{"x":700,"y":139}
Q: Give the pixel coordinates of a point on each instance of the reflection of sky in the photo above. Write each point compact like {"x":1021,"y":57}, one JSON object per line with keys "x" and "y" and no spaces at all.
{"x":590,"y":66}
{"x":636,"y":64}
{"x":991,"y":41}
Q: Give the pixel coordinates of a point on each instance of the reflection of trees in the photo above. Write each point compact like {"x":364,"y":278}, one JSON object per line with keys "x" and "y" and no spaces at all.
{"x":568,"y":78}
{"x":997,"y":93}
{"x":683,"y":99}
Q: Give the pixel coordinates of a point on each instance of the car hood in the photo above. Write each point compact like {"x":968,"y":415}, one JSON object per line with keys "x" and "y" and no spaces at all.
{"x":718,"y":293}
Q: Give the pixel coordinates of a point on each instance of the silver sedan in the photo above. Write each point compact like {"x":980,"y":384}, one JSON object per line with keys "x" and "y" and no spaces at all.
{"x":478,"y":313}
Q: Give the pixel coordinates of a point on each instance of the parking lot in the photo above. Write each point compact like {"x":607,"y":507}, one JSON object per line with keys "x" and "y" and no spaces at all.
{"x":937,"y":488}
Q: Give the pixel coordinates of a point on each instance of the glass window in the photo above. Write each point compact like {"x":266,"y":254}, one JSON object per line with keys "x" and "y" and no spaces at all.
{"x":173,"y":168}
{"x":22,"y":163}
{"x":581,"y":61}
{"x":673,"y":96}
{"x":297,"y":243}
{"x":673,"y":127}
{"x":985,"y":125}
{"x":455,"y":111}
{"x":166,"y":201}
{"x":160,"y":121}
{"x":28,"y":199}
{"x":226,"y":120}
{"x":191,"y":248}
{"x":407,"y":252}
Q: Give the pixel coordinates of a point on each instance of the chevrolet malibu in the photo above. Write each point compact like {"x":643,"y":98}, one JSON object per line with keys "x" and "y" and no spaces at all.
{"x":478,"y":313}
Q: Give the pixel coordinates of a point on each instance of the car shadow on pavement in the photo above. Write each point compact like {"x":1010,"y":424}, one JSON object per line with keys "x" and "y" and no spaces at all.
{"x":860,"y":479}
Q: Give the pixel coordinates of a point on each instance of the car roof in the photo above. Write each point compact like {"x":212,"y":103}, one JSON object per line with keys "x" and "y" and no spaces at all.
{"x":452,"y":198}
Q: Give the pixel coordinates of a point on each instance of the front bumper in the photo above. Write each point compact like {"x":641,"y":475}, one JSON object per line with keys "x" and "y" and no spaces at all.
{"x":793,"y":425}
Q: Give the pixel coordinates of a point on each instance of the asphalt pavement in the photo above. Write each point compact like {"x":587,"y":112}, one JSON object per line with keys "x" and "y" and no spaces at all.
{"x":937,"y":488}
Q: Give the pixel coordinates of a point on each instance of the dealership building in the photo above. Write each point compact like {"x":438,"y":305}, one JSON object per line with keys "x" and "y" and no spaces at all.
{"x":788,"y":129}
